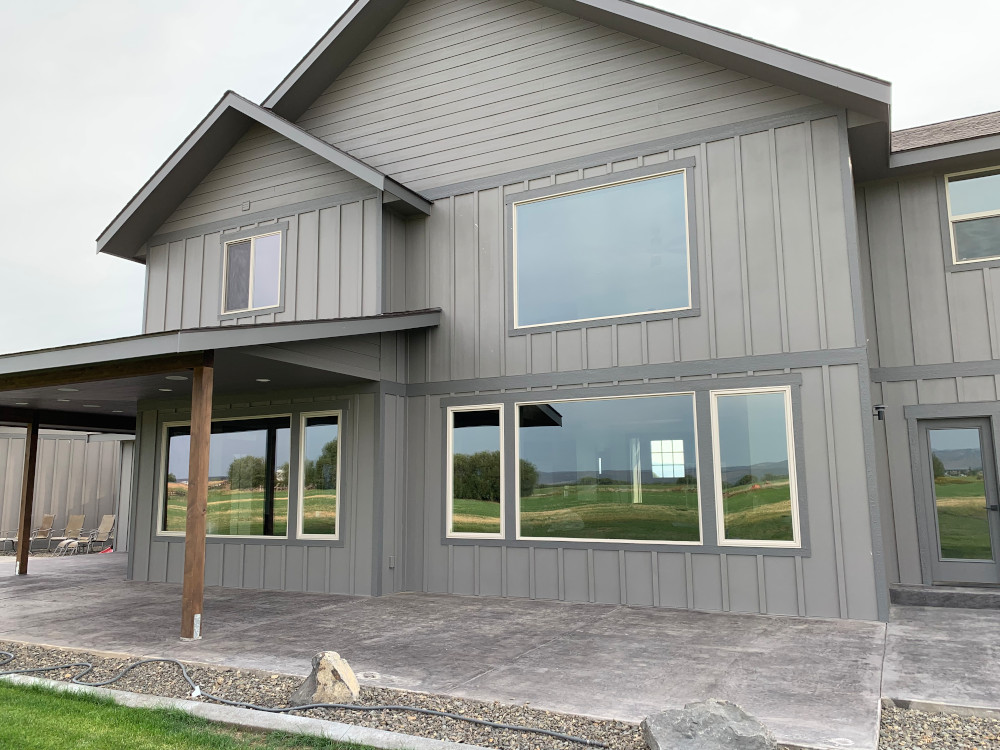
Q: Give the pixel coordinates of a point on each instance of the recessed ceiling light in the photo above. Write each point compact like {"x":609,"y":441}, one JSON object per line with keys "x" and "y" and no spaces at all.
{"x":263,"y":380}
{"x":116,"y":411}
{"x":176,"y":377}
{"x":68,"y":390}
{"x":21,"y":403}
{"x":91,"y":406}
{"x":166,"y":390}
{"x":62,"y":399}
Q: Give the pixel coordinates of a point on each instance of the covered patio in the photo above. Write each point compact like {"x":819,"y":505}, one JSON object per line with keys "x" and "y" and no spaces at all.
{"x":101,"y":386}
{"x":814,"y":682}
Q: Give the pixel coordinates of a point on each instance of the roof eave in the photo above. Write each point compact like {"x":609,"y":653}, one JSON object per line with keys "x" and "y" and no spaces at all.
{"x":968,"y":153}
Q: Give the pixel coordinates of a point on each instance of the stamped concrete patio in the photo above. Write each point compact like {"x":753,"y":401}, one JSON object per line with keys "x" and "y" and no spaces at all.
{"x":816,"y":683}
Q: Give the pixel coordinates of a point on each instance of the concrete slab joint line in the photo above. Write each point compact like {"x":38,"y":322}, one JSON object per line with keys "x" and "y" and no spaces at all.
{"x":256,"y":720}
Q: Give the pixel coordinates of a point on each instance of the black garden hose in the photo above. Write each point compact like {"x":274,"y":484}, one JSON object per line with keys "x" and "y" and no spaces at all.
{"x":196,"y":692}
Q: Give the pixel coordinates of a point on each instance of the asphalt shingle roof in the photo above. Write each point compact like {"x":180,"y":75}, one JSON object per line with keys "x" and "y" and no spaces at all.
{"x":948,"y":131}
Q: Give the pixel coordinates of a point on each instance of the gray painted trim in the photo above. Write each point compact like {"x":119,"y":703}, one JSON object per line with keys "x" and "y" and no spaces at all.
{"x":945,"y":151}
{"x":271,"y":214}
{"x":864,"y":375}
{"x":674,"y":142}
{"x":862,"y":92}
{"x":295,"y":410}
{"x":689,"y":165}
{"x":935,"y":371}
{"x":946,"y":237}
{"x":378,"y":491}
{"x":117,"y":241}
{"x":282,"y":229}
{"x":613,"y":375}
{"x":201,"y":339}
{"x":706,"y":470}
{"x":952,"y":411}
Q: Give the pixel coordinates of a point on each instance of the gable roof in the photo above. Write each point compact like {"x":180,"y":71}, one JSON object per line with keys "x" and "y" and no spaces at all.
{"x":365,"y":18}
{"x":188,"y":165}
{"x":949,"y":131}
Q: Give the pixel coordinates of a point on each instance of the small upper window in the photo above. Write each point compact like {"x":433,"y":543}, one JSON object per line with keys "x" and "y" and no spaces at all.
{"x":602,"y":252}
{"x":974,"y":212}
{"x":252,"y":273}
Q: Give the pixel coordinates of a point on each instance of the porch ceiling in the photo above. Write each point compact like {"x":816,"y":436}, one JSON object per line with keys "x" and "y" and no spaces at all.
{"x":99,"y":385}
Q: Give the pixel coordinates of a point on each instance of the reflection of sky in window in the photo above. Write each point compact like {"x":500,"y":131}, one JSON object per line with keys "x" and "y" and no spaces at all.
{"x":593,"y":430}
{"x":317,"y":436}
{"x":974,"y":194}
{"x":752,"y":429}
{"x":954,"y":439}
{"x":224,"y":448}
{"x":469,"y":440}
{"x":611,"y":251}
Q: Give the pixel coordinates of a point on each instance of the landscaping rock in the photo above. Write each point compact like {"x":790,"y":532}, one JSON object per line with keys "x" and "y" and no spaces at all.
{"x":706,"y":725}
{"x":331,"y":681}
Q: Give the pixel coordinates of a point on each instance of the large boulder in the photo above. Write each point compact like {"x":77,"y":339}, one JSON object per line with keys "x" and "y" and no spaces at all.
{"x":332,"y":681}
{"x":706,"y":725}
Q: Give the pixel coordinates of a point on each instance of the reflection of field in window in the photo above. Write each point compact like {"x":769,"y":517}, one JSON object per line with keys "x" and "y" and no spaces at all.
{"x":594,"y":470}
{"x":960,"y":494}
{"x":319,"y":476}
{"x":237,"y":500}
{"x":754,"y":467}
{"x":476,"y":472}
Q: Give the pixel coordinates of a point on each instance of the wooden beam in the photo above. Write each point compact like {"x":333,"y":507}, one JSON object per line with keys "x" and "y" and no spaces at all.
{"x":197,"y":502}
{"x":27,"y":497}
{"x":126,"y":368}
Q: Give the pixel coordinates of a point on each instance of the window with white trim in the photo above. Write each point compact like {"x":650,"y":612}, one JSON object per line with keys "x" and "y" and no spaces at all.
{"x":247,"y":477}
{"x":475,"y":472}
{"x":251,"y":273}
{"x":607,"y":251}
{"x":755,"y":481}
{"x":609,"y":469}
{"x":319,"y":498}
{"x":974,"y":215}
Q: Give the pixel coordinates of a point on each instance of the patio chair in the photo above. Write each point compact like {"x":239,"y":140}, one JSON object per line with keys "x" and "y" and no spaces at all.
{"x":103,"y":535}
{"x":42,"y":532}
{"x":72,"y":532}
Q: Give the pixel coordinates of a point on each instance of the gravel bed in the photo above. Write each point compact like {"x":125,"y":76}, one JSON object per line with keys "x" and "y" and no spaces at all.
{"x":906,"y":729}
{"x":273,"y":689}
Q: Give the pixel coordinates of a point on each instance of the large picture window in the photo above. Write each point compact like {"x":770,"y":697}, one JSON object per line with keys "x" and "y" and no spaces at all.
{"x":608,"y":251}
{"x":320,"y":471}
{"x":475,"y":472}
{"x":756,"y":494}
{"x":247,"y":478}
{"x":974,"y":214}
{"x":609,"y":469}
{"x":252,"y":273}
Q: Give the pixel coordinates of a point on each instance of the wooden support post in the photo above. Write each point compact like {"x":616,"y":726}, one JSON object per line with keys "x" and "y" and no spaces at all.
{"x":197,"y":501}
{"x":27,"y":496}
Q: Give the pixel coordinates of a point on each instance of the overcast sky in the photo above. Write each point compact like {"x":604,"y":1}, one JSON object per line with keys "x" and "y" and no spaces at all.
{"x":96,"y":94}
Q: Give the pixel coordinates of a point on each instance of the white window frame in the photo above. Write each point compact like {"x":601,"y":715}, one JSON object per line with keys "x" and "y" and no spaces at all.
{"x":449,"y":482}
{"x":162,"y":492}
{"x":687,"y":243}
{"x":253,"y":260}
{"x":301,"y":484}
{"x":697,"y":472}
{"x":793,"y":486}
{"x":954,"y":219}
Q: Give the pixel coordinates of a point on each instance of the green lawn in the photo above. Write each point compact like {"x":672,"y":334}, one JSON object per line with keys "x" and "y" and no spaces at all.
{"x":963,"y":524}
{"x":666,"y":513}
{"x":234,"y":512}
{"x":36,"y":718}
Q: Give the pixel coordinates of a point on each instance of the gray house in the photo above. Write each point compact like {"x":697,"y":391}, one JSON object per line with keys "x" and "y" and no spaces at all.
{"x":566,"y":299}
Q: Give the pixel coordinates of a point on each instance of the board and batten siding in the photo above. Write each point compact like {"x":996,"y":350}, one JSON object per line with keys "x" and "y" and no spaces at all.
{"x":74,"y":475}
{"x":313,"y":565}
{"x":919,"y":314}
{"x":834,"y":580}
{"x":332,"y":270}
{"x":772,"y":254}
{"x":452,"y":92}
